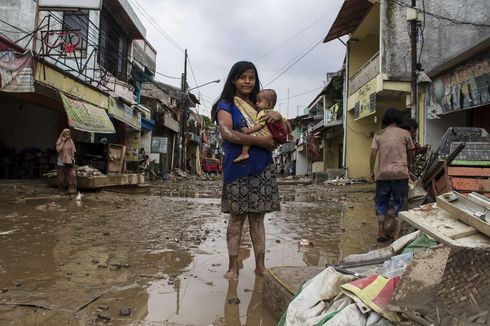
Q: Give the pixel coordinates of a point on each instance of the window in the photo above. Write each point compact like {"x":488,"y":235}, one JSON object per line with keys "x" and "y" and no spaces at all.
{"x":78,"y":22}
{"x":113,"y":46}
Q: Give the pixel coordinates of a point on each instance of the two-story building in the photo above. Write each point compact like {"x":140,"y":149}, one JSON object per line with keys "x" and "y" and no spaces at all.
{"x":88,"y":60}
{"x":378,"y":66}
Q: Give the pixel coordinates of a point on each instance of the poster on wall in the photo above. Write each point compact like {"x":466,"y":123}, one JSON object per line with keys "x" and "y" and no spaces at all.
{"x":132,"y":145}
{"x":159,"y":145}
{"x":463,"y":87}
{"x":16,"y":72}
{"x":366,"y":100}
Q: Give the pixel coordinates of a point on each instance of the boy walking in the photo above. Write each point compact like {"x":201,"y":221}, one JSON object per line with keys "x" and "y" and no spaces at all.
{"x":395,"y":147}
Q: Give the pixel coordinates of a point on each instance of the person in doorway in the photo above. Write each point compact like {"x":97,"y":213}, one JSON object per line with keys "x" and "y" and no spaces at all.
{"x":249,"y":187}
{"x":65,"y":163}
{"x":395,"y":148}
{"x":280,"y":130}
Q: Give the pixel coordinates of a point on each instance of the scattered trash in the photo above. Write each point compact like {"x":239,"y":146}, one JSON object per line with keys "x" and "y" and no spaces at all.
{"x":8,"y":232}
{"x":103,"y":316}
{"x":125,"y":311}
{"x":305,"y":243}
{"x":79,"y":196}
{"x":87,"y":170}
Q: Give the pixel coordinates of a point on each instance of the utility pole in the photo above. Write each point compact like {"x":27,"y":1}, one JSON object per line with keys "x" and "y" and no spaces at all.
{"x":183,"y":114}
{"x":288,"y":105}
{"x":412,"y":18}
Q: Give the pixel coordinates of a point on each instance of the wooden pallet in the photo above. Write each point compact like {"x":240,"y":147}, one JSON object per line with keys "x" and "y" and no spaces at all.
{"x":464,"y":179}
{"x":466,"y":210}
{"x":445,"y":228}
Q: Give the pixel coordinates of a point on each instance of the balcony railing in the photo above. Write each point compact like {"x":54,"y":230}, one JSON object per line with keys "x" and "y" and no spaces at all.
{"x":367,"y":72}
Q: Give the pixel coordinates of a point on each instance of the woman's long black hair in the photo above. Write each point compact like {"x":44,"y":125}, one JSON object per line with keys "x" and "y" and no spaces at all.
{"x":229,"y":89}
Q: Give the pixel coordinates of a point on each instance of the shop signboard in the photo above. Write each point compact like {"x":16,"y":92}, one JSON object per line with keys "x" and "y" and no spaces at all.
{"x":159,"y":145}
{"x":366,"y":100}
{"x":86,"y":117}
{"x":463,"y":87}
{"x":124,"y":113}
{"x":16,"y":72}
{"x":70,"y":5}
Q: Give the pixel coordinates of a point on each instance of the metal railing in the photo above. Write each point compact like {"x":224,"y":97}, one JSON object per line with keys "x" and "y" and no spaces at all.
{"x":367,"y":72}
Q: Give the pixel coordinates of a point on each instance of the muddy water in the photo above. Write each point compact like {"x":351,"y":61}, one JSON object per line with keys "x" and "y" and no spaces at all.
{"x":159,"y":259}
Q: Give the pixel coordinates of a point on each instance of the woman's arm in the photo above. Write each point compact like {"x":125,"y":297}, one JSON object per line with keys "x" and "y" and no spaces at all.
{"x":59,"y":145}
{"x":227,"y":133}
{"x":271,"y":116}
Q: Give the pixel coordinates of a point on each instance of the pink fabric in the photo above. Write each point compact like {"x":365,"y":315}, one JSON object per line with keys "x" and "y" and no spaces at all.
{"x":392,"y":144}
{"x":66,"y":148}
{"x":278,"y":131}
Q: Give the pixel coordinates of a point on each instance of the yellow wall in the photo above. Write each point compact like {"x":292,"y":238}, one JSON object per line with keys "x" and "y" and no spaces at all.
{"x":70,"y":85}
{"x":360,"y":136}
{"x":361,"y":52}
{"x":364,"y":41}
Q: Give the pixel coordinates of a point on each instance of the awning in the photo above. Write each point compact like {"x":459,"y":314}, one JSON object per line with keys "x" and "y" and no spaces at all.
{"x":124,"y":113}
{"x":348,"y":18}
{"x":147,"y":124}
{"x":86,"y":117}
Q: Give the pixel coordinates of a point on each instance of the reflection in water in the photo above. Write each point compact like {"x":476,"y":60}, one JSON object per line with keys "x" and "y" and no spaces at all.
{"x":255,"y":310}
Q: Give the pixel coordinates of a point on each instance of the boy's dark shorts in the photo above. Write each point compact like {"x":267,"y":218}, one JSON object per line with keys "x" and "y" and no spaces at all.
{"x":384,"y":190}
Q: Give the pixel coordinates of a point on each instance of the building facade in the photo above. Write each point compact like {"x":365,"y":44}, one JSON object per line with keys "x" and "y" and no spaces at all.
{"x":76,"y":67}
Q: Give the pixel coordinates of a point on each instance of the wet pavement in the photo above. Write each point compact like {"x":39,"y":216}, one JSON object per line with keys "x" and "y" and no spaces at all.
{"x":159,"y":258}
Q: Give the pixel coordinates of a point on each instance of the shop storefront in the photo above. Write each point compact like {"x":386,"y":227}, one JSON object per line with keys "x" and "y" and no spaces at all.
{"x":128,"y":130}
{"x":458,"y":97}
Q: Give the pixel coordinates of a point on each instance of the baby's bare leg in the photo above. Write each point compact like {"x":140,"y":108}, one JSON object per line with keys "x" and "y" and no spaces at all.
{"x":243,"y":155}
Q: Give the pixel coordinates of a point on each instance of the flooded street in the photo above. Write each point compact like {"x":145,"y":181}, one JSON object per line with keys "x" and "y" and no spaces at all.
{"x":159,"y":258}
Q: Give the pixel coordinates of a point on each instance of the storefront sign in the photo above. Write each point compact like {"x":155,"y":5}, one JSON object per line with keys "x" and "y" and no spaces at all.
{"x":73,"y":4}
{"x":16,"y":72}
{"x":366,"y":100}
{"x":124,"y":113}
{"x":463,"y":87}
{"x":86,"y":117}
{"x":159,"y":145}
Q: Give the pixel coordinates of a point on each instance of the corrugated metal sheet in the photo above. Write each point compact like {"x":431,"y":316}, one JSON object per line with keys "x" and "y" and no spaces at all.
{"x":349,"y":17}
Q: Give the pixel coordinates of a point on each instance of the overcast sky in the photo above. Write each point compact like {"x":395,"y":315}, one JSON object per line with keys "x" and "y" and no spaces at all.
{"x":217,"y":33}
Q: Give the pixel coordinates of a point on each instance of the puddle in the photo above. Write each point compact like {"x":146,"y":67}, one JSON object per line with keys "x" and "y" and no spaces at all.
{"x":162,"y":256}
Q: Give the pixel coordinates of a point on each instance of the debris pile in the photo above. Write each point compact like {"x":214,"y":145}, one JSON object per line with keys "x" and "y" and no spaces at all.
{"x":424,"y":278}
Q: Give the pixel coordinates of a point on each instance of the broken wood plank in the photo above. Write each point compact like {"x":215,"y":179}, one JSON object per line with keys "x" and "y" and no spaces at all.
{"x":440,"y":225}
{"x":470,"y":184}
{"x":459,"y":171}
{"x":464,"y":209}
{"x":463,"y":233}
{"x":479,"y":199}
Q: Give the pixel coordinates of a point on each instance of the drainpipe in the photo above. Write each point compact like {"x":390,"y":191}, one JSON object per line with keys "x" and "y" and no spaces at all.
{"x":344,"y":109}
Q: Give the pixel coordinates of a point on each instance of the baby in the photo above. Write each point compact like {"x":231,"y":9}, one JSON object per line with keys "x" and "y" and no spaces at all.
{"x":280,"y":130}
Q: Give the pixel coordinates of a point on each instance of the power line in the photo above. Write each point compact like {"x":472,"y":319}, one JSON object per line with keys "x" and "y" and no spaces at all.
{"x":295,"y":35}
{"x":300,"y":94}
{"x":171,"y":77}
{"x":441,"y":17}
{"x":295,"y":60}
{"x":150,"y":19}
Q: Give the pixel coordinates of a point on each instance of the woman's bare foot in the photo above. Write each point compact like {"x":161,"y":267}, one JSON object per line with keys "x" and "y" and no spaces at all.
{"x":241,"y":157}
{"x":231,"y":275}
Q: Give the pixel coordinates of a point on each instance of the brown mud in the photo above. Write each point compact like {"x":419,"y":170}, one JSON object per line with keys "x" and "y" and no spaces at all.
{"x":159,"y":259}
